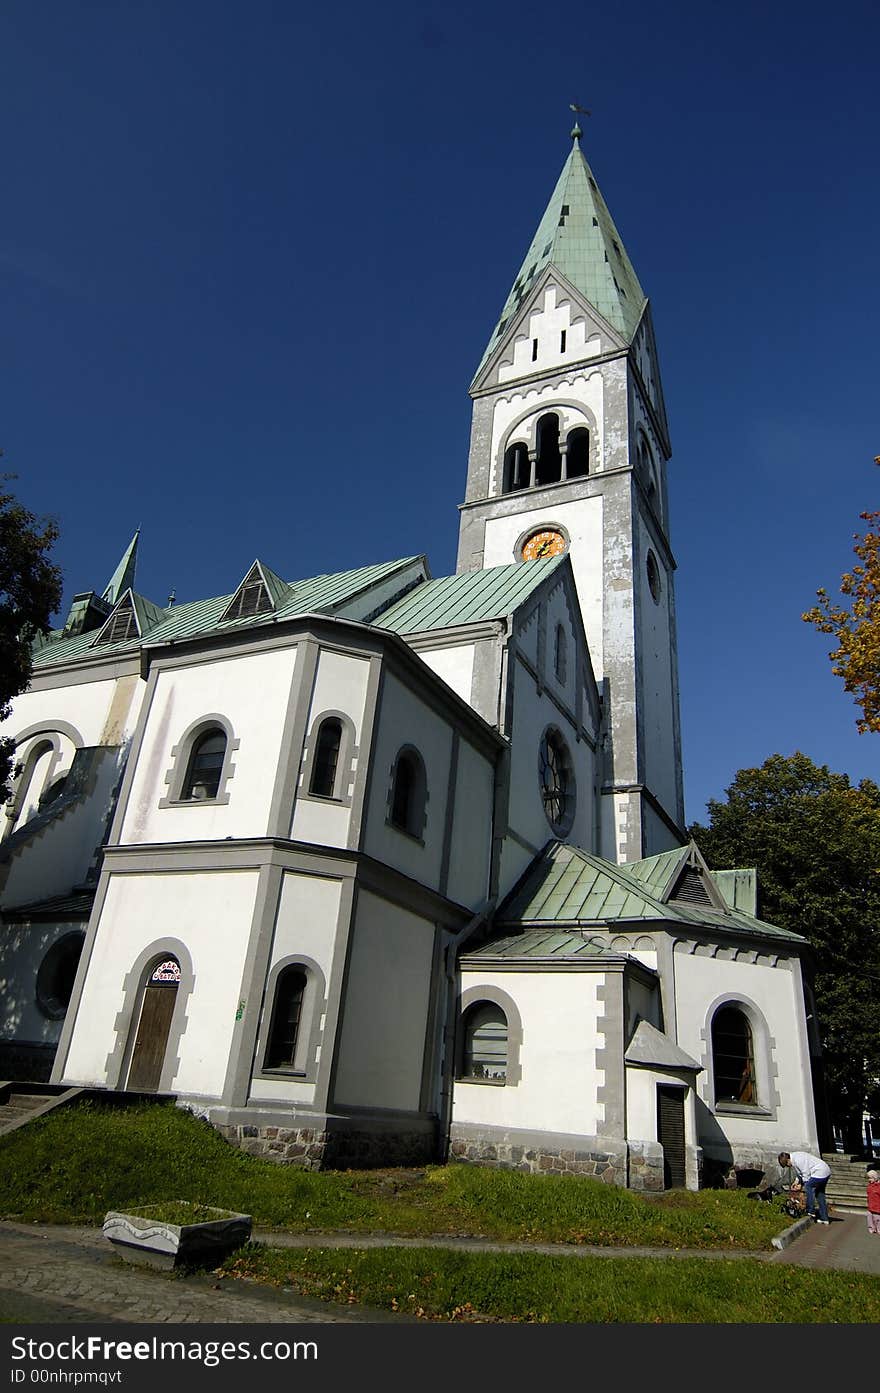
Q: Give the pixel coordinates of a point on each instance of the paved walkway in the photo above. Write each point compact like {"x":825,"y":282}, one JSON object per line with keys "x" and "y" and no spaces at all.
{"x":62,"y":1274}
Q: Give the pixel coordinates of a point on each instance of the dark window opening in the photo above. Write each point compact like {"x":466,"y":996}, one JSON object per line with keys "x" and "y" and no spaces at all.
{"x":733,"y":1058}
{"x":559,"y":654}
{"x":205,"y":767}
{"x":286,"y":1017}
{"x":562,"y":341}
{"x":484,"y":1052}
{"x":577,"y":453}
{"x":534,"y":349}
{"x":517,"y":468}
{"x":326,"y":758}
{"x":57,"y":974}
{"x":408,"y":794}
{"x":122,"y":625}
{"x":549,"y":457}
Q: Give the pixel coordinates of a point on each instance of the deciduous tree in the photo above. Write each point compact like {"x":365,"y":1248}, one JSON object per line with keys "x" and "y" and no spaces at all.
{"x":30,"y":590}
{"x":856,"y":626}
{"x":815,"y":840}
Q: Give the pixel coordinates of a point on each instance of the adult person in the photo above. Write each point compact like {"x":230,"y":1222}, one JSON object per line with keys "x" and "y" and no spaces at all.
{"x":814,"y":1174}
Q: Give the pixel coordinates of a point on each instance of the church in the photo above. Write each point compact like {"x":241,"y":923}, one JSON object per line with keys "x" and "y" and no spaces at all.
{"x":376,"y":868}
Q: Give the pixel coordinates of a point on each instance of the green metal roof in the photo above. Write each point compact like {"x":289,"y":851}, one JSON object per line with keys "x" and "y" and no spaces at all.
{"x":566,"y":884}
{"x":468,"y":598}
{"x":325,"y":594}
{"x":577,"y":235}
{"x":543,"y":944}
{"x":122,"y":578}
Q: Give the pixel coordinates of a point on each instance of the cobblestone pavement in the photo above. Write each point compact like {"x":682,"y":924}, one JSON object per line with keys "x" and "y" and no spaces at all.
{"x":845,"y":1244}
{"x":72,"y":1275}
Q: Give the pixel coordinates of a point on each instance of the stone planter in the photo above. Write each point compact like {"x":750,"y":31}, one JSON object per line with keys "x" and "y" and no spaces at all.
{"x":149,"y":1239}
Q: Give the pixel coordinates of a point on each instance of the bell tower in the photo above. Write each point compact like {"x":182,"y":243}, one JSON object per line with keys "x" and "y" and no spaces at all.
{"x":569,"y":446}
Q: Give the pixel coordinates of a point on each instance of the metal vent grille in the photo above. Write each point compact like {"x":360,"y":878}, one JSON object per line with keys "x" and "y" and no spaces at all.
{"x":690,"y":889}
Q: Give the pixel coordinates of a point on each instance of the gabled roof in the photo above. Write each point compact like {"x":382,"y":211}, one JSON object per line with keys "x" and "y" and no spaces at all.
{"x":651,"y":1047}
{"x":469,"y":598}
{"x":566,"y":885}
{"x":577,"y":235}
{"x":146,"y":616}
{"x":332,"y":594}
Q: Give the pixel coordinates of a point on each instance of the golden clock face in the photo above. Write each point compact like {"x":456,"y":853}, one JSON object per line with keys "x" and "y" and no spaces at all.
{"x":547,"y":542}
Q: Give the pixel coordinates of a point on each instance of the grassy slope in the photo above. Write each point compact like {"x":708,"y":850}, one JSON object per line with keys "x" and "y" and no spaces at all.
{"x":74,"y":1165}
{"x":449,"y":1285}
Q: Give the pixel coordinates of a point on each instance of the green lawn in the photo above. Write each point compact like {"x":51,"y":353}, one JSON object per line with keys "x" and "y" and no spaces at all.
{"x":437,"y":1284}
{"x":75,"y":1164}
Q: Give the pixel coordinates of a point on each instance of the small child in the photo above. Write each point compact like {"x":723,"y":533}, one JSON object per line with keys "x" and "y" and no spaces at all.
{"x":873,"y":1201}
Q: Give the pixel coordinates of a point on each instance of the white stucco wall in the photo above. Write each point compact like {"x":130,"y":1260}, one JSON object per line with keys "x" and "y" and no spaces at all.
{"x":454,"y":664}
{"x":24,"y":946}
{"x":532,"y":713}
{"x":340,"y":685}
{"x":384,"y":1014}
{"x":403,"y":719}
{"x":211,"y":914}
{"x":657,"y":707}
{"x":641,"y":1103}
{"x":472,"y":829}
{"x":558,"y":1088}
{"x":699,"y":982}
{"x":305,"y":928}
{"x":554,"y":313}
{"x":583,"y":522}
{"x":252,"y":692}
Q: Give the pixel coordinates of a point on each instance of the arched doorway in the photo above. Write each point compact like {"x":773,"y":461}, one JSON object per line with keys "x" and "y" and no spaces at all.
{"x":154,"y":1024}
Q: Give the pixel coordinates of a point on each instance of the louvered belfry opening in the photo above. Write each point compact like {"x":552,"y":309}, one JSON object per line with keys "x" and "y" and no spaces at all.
{"x":691,"y":889}
{"x":121,"y":625}
{"x":251,"y":598}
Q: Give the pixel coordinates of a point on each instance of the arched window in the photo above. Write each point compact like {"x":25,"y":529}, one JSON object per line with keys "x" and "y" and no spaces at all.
{"x":284,"y":1032}
{"x":484,"y":1045}
{"x":556,"y":781}
{"x":559,"y":654}
{"x":408,"y":793}
{"x":205,"y":767}
{"x":57,"y":974}
{"x":577,"y":453}
{"x":326,"y":762}
{"x":733,"y":1057}
{"x":29,"y":786}
{"x":517,"y":469}
{"x":548,"y":469}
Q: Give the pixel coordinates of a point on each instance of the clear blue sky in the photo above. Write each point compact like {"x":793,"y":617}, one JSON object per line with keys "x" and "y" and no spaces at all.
{"x":251,"y":254}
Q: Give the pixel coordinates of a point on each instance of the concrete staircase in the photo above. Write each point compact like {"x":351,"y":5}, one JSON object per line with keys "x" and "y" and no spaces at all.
{"x":21,"y":1102}
{"x":846,"y":1188}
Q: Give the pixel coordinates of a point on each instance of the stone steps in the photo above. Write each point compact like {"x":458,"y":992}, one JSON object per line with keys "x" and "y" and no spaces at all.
{"x":19,"y":1104}
{"x":846,"y":1187}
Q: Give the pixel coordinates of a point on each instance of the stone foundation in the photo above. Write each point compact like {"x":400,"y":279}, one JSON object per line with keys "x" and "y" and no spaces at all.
{"x":646,"y":1166}
{"x":540,"y":1154}
{"x":316,"y":1148}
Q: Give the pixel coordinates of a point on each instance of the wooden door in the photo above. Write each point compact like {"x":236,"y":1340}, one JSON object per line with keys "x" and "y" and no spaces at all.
{"x":670,"y":1134}
{"x":148,"y":1055}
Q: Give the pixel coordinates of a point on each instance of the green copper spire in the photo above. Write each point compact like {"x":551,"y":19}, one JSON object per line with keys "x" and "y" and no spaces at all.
{"x":577,"y":235}
{"x":123,"y":577}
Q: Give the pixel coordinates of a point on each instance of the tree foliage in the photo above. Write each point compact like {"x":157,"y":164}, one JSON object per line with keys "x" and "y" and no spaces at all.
{"x":856,"y":626}
{"x":815,"y":840}
{"x":30,"y":590}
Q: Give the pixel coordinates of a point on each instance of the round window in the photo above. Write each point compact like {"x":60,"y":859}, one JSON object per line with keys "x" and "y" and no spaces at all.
{"x":556,"y":778}
{"x":57,"y":974}
{"x":654,"y":583}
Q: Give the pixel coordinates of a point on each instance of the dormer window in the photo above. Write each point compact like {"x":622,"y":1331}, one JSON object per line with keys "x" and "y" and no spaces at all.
{"x":251,"y":598}
{"x":122,"y":623}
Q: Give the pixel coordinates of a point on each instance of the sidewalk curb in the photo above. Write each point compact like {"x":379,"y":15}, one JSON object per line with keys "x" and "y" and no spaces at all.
{"x":788,"y":1236}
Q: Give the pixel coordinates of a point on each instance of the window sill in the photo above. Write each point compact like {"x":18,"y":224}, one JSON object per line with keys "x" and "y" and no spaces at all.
{"x":484,"y":1083}
{"x":324,"y":798}
{"x":742,"y":1110}
{"x":221,"y":801}
{"x":403,"y":831}
{"x":300,"y":1075}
